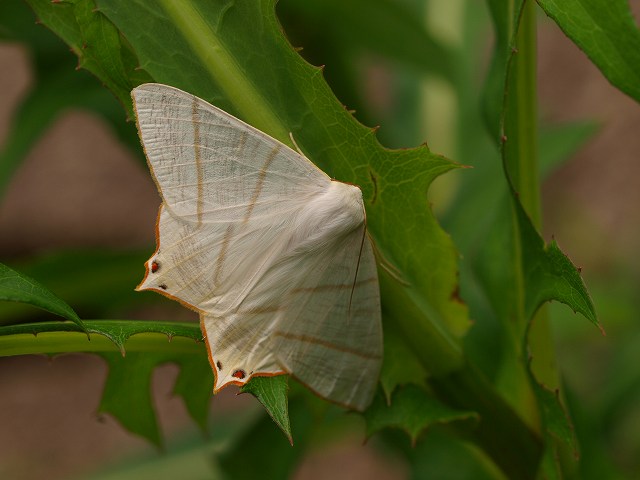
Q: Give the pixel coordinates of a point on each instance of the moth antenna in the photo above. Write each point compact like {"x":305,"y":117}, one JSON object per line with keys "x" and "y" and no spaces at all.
{"x":296,"y":145}
{"x":388,"y":267}
{"x":355,"y":277}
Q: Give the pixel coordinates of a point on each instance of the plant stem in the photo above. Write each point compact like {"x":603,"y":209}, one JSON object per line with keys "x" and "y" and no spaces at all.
{"x":523,"y":168}
{"x":104,"y":336}
{"x":521,"y":122}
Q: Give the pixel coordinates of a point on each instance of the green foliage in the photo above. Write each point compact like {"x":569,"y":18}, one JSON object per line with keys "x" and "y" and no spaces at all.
{"x":272,"y":393}
{"x":487,"y":392}
{"x":16,"y":287}
{"x":607,"y":32}
{"x":413,"y":411}
{"x":97,"y":44}
{"x":109,"y":280}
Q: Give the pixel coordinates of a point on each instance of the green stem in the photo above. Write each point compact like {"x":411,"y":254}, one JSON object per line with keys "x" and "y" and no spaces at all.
{"x":521,"y":122}
{"x":103,"y":336}
{"x":523,"y":163}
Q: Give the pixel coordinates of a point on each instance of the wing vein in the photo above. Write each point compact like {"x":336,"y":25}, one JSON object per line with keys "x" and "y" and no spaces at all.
{"x":324,"y":343}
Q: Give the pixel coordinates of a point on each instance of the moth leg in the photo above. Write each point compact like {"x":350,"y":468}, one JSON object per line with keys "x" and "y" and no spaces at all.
{"x":387,"y":266}
{"x":293,"y":140}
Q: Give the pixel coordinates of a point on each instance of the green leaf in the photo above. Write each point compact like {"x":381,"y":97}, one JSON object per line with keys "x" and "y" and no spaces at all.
{"x":271,"y":392}
{"x":607,"y":32}
{"x":127,"y":393}
{"x":412,"y":410}
{"x":195,"y":386}
{"x":549,"y":274}
{"x":400,"y":365}
{"x":557,"y":428}
{"x":96,"y":282}
{"x":16,"y":287}
{"x":96,"y":42}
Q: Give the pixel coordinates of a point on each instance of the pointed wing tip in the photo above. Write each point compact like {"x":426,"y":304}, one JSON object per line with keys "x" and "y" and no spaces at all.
{"x":144,"y":284}
{"x":146,"y":88}
{"x":153,"y":87}
{"x":147,"y":286}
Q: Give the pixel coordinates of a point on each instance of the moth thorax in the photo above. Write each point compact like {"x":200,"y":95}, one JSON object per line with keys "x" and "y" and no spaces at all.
{"x":339,"y":209}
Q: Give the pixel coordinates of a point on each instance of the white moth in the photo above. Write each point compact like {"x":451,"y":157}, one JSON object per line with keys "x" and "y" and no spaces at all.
{"x":269,"y":250}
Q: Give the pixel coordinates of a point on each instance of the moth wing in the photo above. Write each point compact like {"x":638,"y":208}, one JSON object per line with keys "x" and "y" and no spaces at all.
{"x":211,"y":167}
{"x":224,"y":272}
{"x":211,"y":267}
{"x":223,"y":185}
{"x":330,"y":337}
{"x":239,"y":347}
